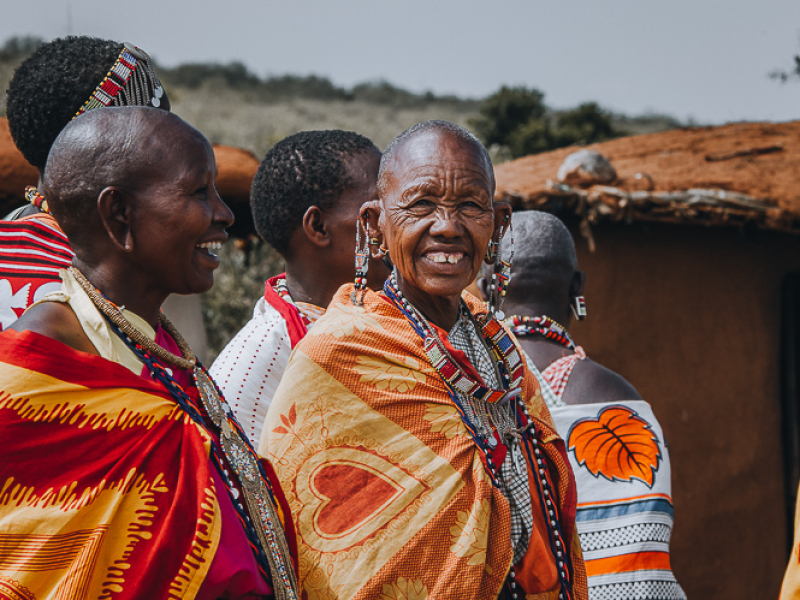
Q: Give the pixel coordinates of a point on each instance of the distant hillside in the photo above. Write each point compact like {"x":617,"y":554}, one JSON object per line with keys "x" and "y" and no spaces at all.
{"x":231,"y":105}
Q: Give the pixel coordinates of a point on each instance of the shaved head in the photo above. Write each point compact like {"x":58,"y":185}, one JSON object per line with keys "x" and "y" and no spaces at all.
{"x":544,"y":258}
{"x":428,"y":128}
{"x":126,"y":148}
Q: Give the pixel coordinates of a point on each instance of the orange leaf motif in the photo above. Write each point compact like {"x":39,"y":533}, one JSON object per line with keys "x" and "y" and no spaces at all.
{"x":618,"y":444}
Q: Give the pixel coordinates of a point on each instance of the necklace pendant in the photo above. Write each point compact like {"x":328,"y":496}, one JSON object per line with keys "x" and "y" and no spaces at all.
{"x":514,"y":449}
{"x":491,"y":441}
{"x":243,"y":463}
{"x":210,"y":398}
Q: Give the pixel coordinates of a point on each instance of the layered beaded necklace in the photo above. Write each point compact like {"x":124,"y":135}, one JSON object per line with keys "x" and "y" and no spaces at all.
{"x":483,"y":409}
{"x":542,"y":326}
{"x":258,"y":514}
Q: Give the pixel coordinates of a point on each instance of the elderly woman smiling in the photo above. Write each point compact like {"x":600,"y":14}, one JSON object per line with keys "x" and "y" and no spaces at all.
{"x":411,"y":441}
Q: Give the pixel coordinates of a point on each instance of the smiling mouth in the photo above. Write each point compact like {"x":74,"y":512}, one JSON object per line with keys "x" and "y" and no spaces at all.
{"x":445,"y":257}
{"x":209,"y":245}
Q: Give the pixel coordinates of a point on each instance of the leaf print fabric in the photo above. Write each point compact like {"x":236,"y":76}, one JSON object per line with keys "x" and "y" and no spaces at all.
{"x":405,"y":589}
{"x":618,"y":444}
{"x":625,"y":513}
{"x":471,"y":533}
{"x":398,"y":374}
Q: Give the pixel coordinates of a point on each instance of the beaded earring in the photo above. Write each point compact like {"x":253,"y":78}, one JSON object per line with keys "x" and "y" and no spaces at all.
{"x":362,"y":265}
{"x":501,"y":273}
{"x":578,"y":307}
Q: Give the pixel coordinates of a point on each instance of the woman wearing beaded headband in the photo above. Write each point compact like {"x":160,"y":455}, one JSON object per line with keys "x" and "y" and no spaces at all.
{"x":60,"y":80}
{"x":132,"y":463}
{"x":417,"y":456}
{"x":625,"y":512}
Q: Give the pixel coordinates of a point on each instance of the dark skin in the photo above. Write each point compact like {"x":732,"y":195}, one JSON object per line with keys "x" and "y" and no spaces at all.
{"x":149,"y":239}
{"x":590,"y":382}
{"x":30,"y":210}
{"x":321,"y":258}
{"x":436,"y":216}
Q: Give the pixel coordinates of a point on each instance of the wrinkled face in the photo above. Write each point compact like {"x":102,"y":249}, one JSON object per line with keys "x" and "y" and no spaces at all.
{"x":341,"y":221}
{"x":437,"y":215}
{"x":179,"y":219}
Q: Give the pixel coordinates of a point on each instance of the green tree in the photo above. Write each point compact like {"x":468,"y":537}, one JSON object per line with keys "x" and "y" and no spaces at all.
{"x":502,"y":113}
{"x":18,"y":47}
{"x":192,"y":75}
{"x":586,"y":124}
{"x":517,"y":119}
{"x":532,"y":137}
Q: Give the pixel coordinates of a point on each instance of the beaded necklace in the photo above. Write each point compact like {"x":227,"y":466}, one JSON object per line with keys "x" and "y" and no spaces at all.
{"x":542,"y":326}
{"x":509,"y":365}
{"x":267,"y":541}
{"x":309,"y":313}
{"x":33,"y":196}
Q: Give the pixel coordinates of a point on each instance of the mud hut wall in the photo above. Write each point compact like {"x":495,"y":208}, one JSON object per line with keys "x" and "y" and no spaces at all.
{"x":691,"y":316}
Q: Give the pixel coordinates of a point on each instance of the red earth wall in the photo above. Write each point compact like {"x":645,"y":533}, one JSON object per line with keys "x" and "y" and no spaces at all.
{"x":691,"y":317}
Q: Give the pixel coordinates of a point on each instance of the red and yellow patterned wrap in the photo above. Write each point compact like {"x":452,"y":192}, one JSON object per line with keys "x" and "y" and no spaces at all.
{"x":105,"y":484}
{"x":390,"y":496}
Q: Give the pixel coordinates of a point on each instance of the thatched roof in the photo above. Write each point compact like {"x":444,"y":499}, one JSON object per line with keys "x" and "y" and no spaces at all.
{"x":237,"y":168}
{"x":729,"y":175}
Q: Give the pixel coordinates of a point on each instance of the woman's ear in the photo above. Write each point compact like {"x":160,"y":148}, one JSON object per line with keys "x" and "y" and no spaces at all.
{"x":370,"y":215}
{"x":114,"y":207}
{"x":314,"y":227}
{"x":577,"y":285}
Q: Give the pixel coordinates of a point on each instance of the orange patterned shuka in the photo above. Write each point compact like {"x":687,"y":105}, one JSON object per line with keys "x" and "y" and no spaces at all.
{"x":390,"y":496}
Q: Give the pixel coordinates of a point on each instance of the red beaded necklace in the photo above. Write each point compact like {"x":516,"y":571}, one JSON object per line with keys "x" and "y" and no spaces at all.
{"x":33,"y":196}
{"x":542,"y":326}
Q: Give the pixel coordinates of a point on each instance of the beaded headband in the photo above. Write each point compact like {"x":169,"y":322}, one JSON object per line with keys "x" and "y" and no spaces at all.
{"x":130,"y":81}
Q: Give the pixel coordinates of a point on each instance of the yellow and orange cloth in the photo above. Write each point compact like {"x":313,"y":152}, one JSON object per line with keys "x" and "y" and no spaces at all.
{"x":389,"y":494}
{"x":95,"y":501}
{"x":790,"y":590}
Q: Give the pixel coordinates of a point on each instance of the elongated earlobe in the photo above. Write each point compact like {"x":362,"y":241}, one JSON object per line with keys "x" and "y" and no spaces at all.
{"x":113,"y":205}
{"x":368,"y":219}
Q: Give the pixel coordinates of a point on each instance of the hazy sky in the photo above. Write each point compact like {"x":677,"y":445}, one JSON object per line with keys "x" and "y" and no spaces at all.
{"x":704,"y":59}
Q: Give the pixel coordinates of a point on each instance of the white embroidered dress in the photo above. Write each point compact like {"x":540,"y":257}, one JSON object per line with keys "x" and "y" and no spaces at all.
{"x":250,"y":367}
{"x":625,"y":514}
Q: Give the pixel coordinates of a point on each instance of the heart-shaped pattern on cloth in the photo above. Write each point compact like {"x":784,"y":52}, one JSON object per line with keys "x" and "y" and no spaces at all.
{"x":351,"y":495}
{"x":348,"y":494}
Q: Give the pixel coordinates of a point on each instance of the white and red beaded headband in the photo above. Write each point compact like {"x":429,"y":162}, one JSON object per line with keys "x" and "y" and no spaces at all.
{"x":131,"y":81}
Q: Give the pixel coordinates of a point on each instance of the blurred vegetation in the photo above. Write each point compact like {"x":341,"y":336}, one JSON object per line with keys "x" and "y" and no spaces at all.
{"x":232,"y":105}
{"x":517,"y":120}
{"x":238,"y":284}
{"x":18,"y":47}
